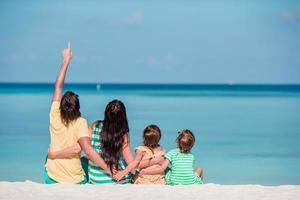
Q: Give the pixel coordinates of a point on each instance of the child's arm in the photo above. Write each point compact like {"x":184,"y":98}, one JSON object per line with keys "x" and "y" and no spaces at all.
{"x":152,"y":161}
{"x":143,"y":163}
{"x":157,"y":170}
{"x":130,"y":167}
{"x":127,"y":154}
{"x":64,"y":153}
{"x":149,"y":162}
{"x":59,"y":83}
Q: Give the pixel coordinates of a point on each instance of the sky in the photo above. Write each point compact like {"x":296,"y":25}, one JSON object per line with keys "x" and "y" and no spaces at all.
{"x":157,"y":41}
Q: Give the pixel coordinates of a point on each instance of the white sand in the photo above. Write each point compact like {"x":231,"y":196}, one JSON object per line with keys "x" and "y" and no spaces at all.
{"x":37,"y":191}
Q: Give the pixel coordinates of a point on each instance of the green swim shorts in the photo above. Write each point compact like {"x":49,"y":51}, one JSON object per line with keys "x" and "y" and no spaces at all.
{"x":49,"y":180}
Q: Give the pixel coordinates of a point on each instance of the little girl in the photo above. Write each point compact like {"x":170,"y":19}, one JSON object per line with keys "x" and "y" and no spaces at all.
{"x":180,"y":162}
{"x":149,"y":150}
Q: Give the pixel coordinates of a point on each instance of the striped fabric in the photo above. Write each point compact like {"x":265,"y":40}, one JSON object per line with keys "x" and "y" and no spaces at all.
{"x":181,"y":170}
{"x":96,"y":173}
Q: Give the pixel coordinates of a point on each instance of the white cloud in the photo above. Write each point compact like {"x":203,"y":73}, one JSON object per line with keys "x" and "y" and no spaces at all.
{"x":166,"y":62}
{"x":170,"y":59}
{"x":92,"y":59}
{"x":134,"y":20}
{"x":20,"y":58}
{"x":292,"y":14}
{"x":151,"y":60}
{"x":234,"y":34}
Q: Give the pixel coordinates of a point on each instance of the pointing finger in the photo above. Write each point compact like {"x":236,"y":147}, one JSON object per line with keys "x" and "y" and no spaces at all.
{"x":69,"y":45}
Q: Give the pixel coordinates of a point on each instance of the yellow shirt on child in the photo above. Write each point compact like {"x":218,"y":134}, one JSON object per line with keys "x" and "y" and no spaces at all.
{"x":66,"y":170}
{"x":151,"y":179}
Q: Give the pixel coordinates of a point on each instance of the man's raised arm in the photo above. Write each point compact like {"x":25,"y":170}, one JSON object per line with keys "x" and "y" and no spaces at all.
{"x":59,"y":83}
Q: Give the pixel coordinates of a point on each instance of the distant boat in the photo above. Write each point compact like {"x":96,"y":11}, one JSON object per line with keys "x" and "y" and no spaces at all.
{"x":98,"y":86}
{"x":230,"y":83}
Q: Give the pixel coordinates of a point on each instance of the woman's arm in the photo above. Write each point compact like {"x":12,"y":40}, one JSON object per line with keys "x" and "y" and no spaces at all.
{"x":59,"y":83}
{"x":127,"y":154}
{"x":156,"y":170}
{"x":131,"y":166}
{"x":64,"y":153}
{"x":85,"y":144}
{"x":91,"y":131}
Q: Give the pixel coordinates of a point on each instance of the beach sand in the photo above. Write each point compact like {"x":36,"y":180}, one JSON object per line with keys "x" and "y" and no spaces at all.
{"x":36,"y":191}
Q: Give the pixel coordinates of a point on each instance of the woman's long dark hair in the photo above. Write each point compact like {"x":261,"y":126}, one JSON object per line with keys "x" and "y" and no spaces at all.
{"x":115,"y":126}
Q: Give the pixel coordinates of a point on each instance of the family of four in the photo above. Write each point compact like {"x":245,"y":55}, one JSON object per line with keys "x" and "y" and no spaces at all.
{"x":106,"y":144}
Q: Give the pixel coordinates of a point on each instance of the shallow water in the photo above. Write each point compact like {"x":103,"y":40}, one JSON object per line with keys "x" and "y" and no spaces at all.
{"x":243,"y":135}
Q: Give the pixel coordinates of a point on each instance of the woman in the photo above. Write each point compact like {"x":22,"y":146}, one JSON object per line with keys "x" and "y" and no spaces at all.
{"x":110,"y":138}
{"x":67,"y":129}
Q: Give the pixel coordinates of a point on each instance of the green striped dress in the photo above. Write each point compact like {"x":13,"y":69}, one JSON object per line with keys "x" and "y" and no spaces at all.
{"x":181,"y":169}
{"x":96,"y":173}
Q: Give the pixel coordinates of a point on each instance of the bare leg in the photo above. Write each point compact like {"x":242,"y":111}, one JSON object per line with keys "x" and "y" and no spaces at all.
{"x":85,"y":165}
{"x":199,"y":171}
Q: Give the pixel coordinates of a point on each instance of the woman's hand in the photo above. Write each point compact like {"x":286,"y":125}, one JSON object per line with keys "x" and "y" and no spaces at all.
{"x":67,"y":54}
{"x":119,"y":175}
{"x":142,"y":172}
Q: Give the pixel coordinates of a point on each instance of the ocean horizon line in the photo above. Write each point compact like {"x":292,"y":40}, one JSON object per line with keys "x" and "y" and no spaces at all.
{"x":158,"y":86}
{"x":149,"y":83}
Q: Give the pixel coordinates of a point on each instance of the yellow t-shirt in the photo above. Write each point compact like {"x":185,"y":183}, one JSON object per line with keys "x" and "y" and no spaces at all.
{"x":67,"y":170}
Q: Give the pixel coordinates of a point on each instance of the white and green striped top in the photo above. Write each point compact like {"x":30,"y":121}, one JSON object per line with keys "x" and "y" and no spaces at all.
{"x":181,"y":169}
{"x":96,"y":173}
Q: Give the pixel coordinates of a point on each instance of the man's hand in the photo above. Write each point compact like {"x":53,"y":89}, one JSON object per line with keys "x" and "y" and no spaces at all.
{"x":51,"y":154}
{"x":67,"y":54}
{"x":60,"y":79}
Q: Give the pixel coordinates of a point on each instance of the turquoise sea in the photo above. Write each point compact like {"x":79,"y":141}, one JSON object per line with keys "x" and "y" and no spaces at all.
{"x":245,"y":134}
